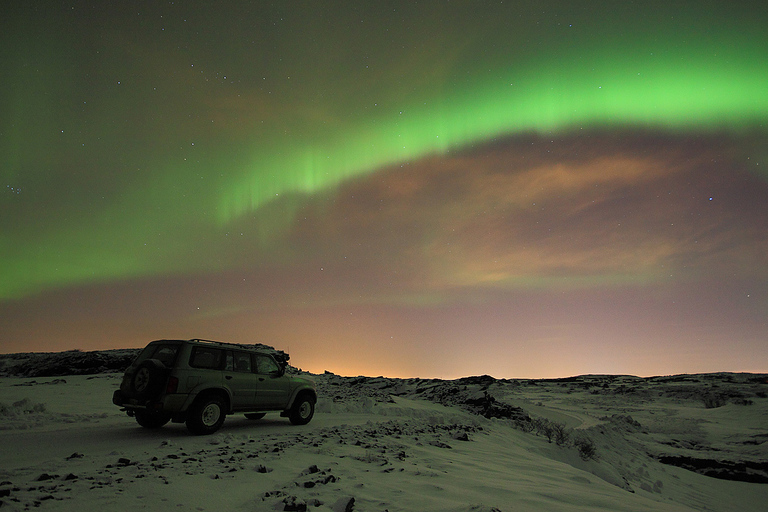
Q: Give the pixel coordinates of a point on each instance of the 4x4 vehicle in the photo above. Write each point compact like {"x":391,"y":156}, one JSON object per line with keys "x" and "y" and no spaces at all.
{"x":199,"y":382}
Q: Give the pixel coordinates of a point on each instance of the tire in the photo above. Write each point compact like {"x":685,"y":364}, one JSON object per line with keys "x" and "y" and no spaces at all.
{"x":255,"y":415}
{"x":152,"y":420}
{"x":149,"y":379}
{"x":302,"y":411}
{"x":206,"y":415}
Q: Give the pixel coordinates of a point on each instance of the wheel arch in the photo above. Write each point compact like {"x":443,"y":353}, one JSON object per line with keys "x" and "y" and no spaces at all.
{"x":302,"y":392}
{"x":223,"y":393}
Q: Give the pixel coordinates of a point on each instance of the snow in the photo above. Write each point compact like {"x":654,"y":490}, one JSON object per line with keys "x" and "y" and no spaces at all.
{"x":380,"y":444}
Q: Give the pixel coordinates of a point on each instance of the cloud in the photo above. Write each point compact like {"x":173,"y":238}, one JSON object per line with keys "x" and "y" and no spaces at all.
{"x":536,"y":212}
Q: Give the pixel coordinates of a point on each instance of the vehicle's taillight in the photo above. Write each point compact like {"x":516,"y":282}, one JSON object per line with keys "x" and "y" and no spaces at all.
{"x":173,"y":385}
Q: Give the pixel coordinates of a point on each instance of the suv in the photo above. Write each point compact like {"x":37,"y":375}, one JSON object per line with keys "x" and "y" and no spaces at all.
{"x":200,"y":381}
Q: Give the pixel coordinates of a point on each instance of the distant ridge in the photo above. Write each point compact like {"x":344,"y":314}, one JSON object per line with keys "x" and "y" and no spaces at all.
{"x":72,"y":362}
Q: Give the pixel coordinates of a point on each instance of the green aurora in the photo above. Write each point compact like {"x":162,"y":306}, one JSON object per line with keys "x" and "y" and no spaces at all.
{"x":107,"y":179}
{"x":706,"y":91}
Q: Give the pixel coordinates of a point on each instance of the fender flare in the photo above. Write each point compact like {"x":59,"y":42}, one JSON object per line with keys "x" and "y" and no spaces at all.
{"x":298,"y":391}
{"x":199,"y":390}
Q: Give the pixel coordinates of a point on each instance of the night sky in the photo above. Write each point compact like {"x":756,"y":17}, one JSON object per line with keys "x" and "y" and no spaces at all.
{"x":437,"y":189}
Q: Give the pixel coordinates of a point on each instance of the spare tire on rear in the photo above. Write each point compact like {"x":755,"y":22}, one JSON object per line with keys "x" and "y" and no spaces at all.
{"x":149,"y":379}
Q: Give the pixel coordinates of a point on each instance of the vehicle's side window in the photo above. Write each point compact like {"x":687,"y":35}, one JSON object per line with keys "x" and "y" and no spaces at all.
{"x":243,"y":362}
{"x":206,"y":357}
{"x":265,"y":365}
{"x":238,"y":362}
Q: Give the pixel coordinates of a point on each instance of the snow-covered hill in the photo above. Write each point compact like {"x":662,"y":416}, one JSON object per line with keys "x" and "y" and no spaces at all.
{"x":689,"y":442}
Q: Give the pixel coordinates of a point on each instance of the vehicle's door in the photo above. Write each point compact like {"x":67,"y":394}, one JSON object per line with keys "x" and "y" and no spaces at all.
{"x":240,"y":379}
{"x":273,"y":388}
{"x":204,"y":369}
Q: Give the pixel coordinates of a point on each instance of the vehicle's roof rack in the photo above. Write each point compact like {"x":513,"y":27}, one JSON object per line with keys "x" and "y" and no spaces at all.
{"x":280,"y":355}
{"x":241,"y":345}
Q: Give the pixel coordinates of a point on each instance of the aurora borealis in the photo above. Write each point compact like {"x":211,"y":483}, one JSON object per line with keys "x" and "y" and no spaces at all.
{"x":434,"y":189}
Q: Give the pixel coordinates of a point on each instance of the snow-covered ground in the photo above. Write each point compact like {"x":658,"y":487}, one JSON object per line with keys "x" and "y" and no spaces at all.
{"x":377,"y":444}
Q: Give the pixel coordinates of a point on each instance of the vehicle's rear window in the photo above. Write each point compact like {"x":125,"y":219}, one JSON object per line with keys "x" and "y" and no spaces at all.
{"x":206,"y":357}
{"x":164,"y":352}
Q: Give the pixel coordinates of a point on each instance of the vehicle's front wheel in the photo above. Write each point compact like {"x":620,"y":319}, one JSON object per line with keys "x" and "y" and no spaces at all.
{"x":302,"y":411}
{"x":206,"y":415}
{"x":152,"y":420}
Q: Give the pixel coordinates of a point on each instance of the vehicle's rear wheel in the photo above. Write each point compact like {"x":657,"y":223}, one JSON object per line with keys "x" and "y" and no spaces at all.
{"x":206,"y":415}
{"x":302,"y":411}
{"x":152,"y":420}
{"x":255,"y":415}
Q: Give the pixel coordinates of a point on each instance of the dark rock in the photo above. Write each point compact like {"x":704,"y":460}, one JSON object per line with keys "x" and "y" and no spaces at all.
{"x":344,"y":505}
{"x":461,"y":436}
{"x":740,"y":471}
{"x":310,"y":470}
{"x":482,"y":380}
{"x":294,"y":504}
